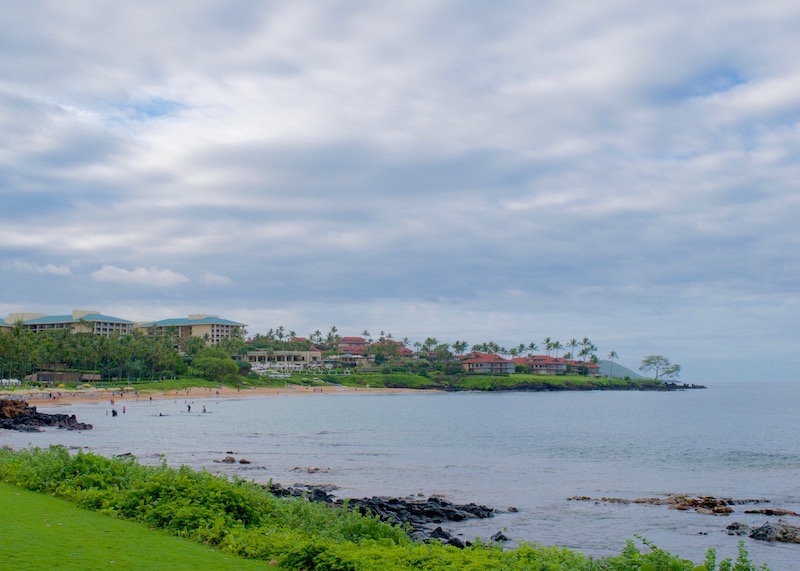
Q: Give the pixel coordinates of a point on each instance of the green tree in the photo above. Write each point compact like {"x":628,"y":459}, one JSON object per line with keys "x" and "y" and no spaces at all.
{"x":460,"y":346}
{"x":660,"y":367}
{"x":572,"y":344}
{"x":215,"y":364}
{"x":612,"y":355}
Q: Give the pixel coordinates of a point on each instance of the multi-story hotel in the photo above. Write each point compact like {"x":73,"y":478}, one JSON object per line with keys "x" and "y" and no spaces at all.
{"x":80,"y":321}
{"x":209,"y":327}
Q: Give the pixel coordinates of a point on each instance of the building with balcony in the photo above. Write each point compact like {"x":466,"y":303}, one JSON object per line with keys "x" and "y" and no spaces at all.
{"x":79,"y":321}
{"x":211,"y":328}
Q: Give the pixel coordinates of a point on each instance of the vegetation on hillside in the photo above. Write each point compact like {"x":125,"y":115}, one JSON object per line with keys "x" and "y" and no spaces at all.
{"x":241,"y":518}
{"x":62,"y":357}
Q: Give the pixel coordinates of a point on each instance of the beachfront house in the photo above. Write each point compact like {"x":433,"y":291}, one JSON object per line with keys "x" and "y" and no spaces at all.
{"x":352,"y":345}
{"x":488,"y":363}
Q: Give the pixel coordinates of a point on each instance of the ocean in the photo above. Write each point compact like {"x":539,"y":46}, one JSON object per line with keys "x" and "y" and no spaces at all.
{"x":529,"y":451}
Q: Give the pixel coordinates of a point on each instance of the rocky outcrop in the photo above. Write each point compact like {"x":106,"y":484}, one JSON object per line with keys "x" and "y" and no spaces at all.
{"x":17,"y":415}
{"x":779,"y":531}
{"x":772,"y":511}
{"x":419,"y":513}
{"x":423,"y":516}
{"x":709,"y":505}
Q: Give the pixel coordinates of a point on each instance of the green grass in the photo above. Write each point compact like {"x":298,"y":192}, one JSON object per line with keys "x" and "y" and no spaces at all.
{"x":43,"y":532}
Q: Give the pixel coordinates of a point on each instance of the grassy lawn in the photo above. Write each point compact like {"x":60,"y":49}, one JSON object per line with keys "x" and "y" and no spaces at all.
{"x":43,"y":532}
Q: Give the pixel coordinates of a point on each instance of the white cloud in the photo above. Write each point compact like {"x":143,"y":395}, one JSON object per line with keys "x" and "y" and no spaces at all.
{"x":30,"y":267}
{"x":215,"y":280}
{"x":144,"y":276}
{"x":345,"y":160}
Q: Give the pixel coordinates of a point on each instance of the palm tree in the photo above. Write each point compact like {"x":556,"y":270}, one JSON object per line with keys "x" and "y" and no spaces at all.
{"x":460,"y":346}
{"x":430,"y":344}
{"x":572,"y":344}
{"x":547,"y":345}
{"x":612,"y":355}
{"x":532,"y":347}
{"x":556,"y":346}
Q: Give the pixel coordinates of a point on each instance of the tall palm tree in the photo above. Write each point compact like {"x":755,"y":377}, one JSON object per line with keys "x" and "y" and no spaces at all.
{"x":547,"y":345}
{"x":532,"y":347}
{"x":572,"y":343}
{"x":556,"y":346}
{"x":612,"y":355}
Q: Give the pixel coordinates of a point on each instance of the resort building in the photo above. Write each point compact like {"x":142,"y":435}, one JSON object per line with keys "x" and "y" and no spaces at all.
{"x":296,"y":360}
{"x":80,"y":321}
{"x":585,"y":368}
{"x":543,"y":364}
{"x":353,"y":345}
{"x":210,"y":328}
{"x":488,"y":363}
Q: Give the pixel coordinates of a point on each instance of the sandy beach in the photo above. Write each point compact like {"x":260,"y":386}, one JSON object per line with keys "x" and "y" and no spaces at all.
{"x":128,"y":395}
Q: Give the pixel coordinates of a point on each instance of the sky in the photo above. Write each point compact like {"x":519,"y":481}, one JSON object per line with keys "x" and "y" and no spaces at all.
{"x":626,"y":171}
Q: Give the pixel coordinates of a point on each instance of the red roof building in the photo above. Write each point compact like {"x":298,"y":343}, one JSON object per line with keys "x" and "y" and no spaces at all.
{"x":353,"y":345}
{"x":543,"y":364}
{"x":488,"y":363}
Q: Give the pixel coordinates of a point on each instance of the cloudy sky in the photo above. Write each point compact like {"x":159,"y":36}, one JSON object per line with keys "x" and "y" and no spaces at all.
{"x":628,"y":171}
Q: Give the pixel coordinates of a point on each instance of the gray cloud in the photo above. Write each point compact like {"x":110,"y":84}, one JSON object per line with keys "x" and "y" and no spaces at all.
{"x":625,"y":171}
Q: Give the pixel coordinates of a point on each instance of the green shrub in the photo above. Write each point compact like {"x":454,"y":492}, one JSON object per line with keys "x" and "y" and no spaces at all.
{"x":243,"y":519}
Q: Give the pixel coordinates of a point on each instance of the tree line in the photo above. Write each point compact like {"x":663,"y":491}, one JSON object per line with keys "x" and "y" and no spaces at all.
{"x":147,"y":355}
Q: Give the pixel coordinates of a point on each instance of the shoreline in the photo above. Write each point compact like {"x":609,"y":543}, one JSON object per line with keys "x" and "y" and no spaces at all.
{"x":62,"y":397}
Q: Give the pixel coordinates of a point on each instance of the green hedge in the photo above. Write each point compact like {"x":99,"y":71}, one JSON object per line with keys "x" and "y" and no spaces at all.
{"x":241,"y":518}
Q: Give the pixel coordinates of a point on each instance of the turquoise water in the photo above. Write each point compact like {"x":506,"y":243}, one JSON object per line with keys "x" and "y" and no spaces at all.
{"x":531,"y":451}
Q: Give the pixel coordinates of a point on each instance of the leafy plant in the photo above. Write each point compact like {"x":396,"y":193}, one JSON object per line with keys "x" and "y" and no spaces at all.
{"x":242,"y":518}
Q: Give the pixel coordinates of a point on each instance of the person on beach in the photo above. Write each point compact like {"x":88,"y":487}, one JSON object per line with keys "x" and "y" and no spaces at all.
{"x":204,"y":408}
{"x":188,"y":408}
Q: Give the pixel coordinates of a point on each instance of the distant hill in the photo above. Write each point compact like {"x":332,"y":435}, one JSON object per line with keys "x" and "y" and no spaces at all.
{"x":620,"y":371}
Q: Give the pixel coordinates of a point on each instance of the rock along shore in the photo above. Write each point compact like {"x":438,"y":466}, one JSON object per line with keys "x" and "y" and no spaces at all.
{"x":780,"y":531}
{"x":424,"y":517}
{"x":18,"y":415}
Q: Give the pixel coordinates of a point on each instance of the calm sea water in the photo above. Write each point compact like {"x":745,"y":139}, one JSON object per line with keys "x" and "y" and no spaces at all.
{"x":531,"y":451}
